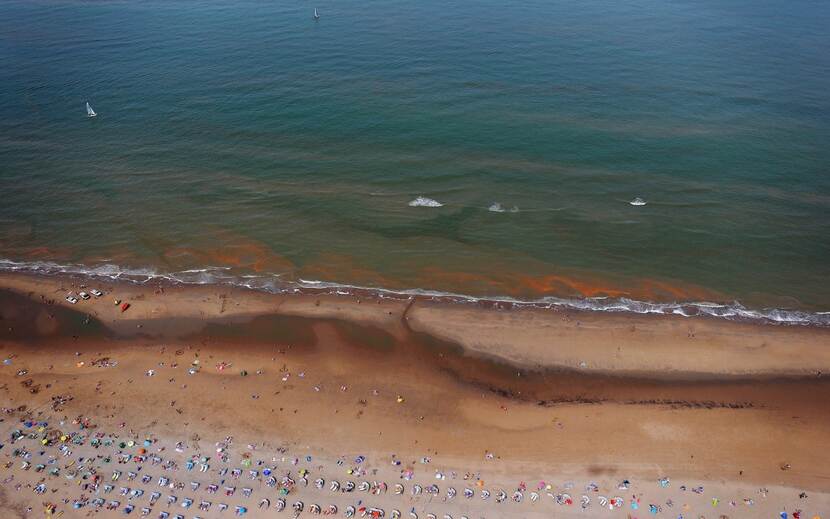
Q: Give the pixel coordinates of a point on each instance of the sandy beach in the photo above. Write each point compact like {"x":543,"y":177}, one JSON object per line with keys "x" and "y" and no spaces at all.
{"x":702,"y":417}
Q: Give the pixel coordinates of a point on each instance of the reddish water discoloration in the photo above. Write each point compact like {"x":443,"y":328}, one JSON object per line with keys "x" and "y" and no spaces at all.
{"x":534,"y":286}
{"x":528,"y":280}
{"x":344,"y":269}
{"x":230,"y":250}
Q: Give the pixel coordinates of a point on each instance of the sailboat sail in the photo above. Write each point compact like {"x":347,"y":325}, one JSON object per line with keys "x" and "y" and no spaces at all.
{"x":315,"y":13}
{"x":89,"y":111}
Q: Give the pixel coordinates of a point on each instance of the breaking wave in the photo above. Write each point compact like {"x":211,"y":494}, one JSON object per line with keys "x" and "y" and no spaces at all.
{"x":423,"y":201}
{"x":276,"y":283}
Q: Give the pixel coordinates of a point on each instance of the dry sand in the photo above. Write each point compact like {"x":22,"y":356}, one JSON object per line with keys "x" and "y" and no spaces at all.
{"x":553,"y":396}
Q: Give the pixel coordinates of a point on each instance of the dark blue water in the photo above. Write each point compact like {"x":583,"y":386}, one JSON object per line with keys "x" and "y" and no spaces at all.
{"x":247,"y":139}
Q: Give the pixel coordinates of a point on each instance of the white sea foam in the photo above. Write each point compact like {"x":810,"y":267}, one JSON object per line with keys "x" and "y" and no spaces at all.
{"x":496,"y":207}
{"x":273,"y":282}
{"x":423,"y":201}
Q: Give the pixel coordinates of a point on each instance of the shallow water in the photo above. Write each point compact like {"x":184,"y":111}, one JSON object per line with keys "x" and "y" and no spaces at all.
{"x":250,"y":138}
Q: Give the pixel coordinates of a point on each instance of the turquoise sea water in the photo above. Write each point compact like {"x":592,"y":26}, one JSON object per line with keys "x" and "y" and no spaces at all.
{"x":244,"y":141}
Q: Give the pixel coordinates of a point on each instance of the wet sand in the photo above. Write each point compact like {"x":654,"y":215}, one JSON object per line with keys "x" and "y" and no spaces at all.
{"x":555,"y":397}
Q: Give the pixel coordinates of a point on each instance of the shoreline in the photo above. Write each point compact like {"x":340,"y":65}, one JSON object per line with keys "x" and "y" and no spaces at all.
{"x":214,"y":276}
{"x":649,"y":346}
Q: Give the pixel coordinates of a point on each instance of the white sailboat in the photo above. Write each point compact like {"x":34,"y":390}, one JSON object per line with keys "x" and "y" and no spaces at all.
{"x":316,"y":16}
{"x":89,"y":111}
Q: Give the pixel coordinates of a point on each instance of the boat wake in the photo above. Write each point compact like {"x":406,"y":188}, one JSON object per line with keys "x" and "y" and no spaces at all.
{"x":278,"y":284}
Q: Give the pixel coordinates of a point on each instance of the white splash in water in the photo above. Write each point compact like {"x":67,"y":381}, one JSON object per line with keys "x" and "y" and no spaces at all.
{"x":423,"y":201}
